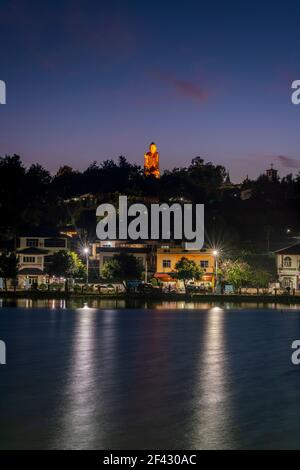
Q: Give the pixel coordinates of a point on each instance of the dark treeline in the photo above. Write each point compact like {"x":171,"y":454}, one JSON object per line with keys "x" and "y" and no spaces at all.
{"x":266,"y":216}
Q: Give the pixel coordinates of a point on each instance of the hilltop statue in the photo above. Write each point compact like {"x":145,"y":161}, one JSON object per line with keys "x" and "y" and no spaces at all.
{"x":151,"y":161}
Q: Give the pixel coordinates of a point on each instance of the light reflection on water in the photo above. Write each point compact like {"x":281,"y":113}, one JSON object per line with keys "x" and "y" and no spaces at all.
{"x":212,"y":422}
{"x":80,"y":398}
{"x":139,"y":303}
{"x":159,"y":378}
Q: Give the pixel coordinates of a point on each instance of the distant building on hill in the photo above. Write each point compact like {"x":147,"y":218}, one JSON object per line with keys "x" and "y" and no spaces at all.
{"x":272,"y":174}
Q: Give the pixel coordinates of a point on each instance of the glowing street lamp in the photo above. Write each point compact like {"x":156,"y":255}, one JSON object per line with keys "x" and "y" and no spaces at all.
{"x":216,"y":254}
{"x":86,"y":251}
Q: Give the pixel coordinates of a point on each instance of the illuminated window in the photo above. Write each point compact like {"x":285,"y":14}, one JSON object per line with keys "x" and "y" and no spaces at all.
{"x":287,"y":262}
{"x":32,"y":242}
{"x":204,"y":264}
{"x":166,"y":263}
{"x":28,"y":259}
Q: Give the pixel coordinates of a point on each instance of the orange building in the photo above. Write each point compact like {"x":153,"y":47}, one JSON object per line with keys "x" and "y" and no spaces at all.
{"x":166,"y":259}
{"x":151,"y":161}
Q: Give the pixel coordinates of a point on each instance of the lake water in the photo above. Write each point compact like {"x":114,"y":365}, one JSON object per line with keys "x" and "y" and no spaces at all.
{"x":173,"y":375}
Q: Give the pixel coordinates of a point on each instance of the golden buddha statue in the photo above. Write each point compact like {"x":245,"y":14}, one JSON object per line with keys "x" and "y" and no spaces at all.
{"x":151,"y":161}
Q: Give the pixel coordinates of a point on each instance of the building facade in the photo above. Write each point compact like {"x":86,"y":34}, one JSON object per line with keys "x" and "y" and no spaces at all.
{"x":34,"y":251}
{"x":102,"y":251}
{"x":167,"y":257}
{"x":288,"y":267}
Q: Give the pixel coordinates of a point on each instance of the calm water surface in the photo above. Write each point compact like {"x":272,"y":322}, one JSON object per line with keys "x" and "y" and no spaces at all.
{"x":173,"y":375}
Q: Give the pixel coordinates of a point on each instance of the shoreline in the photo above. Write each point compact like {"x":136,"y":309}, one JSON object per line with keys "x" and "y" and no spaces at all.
{"x":199,"y":298}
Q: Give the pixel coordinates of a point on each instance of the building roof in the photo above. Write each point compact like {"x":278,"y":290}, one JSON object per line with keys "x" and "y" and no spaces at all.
{"x":121,"y":249}
{"x":290,"y":250}
{"x":31,"y":271}
{"x":184,"y":251}
{"x":32,"y":250}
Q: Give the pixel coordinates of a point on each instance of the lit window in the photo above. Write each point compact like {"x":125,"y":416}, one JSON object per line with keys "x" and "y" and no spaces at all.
{"x":204,"y":264}
{"x":287,"y":262}
{"x":32,"y":242}
{"x":166,"y":263}
{"x":28,"y":259}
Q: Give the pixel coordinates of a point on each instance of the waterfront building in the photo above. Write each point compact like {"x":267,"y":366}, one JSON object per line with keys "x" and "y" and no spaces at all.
{"x":288,"y":266}
{"x":157,"y":260}
{"x":34,"y":249}
{"x":168,"y":256}
{"x":103,"y":251}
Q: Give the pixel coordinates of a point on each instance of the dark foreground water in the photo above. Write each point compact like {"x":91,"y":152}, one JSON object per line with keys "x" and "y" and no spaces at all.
{"x":192,"y":378}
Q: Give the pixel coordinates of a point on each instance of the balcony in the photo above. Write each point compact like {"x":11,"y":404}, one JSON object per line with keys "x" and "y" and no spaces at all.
{"x":283,"y":268}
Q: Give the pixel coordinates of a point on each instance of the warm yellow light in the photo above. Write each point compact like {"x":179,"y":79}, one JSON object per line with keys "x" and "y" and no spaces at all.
{"x":153,"y":148}
{"x":151,"y":161}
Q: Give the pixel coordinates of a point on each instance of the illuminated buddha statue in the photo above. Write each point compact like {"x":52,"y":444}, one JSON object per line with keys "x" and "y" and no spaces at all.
{"x":151,"y":161}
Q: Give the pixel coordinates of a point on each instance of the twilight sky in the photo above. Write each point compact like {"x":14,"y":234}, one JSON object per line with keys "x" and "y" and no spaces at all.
{"x":91,"y":80}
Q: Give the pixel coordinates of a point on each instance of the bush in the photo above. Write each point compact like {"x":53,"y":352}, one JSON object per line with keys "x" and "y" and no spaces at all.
{"x":43,"y":287}
{"x":89,"y":288}
{"x":77,"y":288}
{"x":55,"y":286}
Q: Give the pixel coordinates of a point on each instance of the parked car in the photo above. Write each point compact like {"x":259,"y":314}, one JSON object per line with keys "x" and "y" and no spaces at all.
{"x":146,"y":287}
{"x":193,"y":288}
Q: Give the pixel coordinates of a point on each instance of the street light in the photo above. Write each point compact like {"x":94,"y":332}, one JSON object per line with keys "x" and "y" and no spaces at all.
{"x":86,"y":251}
{"x":216,"y":254}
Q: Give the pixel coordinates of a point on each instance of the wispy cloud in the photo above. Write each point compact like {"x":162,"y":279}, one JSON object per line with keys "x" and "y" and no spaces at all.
{"x":284,"y":161}
{"x":288,"y":162}
{"x":184,"y":88}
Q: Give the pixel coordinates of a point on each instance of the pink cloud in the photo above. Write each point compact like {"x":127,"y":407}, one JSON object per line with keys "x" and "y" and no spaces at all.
{"x":284,"y":161}
{"x":288,"y":162}
{"x":184,"y":88}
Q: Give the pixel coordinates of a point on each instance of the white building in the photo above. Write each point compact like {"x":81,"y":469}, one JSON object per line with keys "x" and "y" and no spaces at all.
{"x":34,"y":251}
{"x":288,"y":266}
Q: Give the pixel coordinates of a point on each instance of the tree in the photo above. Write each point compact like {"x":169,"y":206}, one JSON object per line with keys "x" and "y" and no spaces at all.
{"x":66,"y":264}
{"x":13,"y":198}
{"x":261,"y":278}
{"x":8,"y":268}
{"x":236,"y":272}
{"x":186,"y":270}
{"x":122,"y":268}
{"x":38,"y":176}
